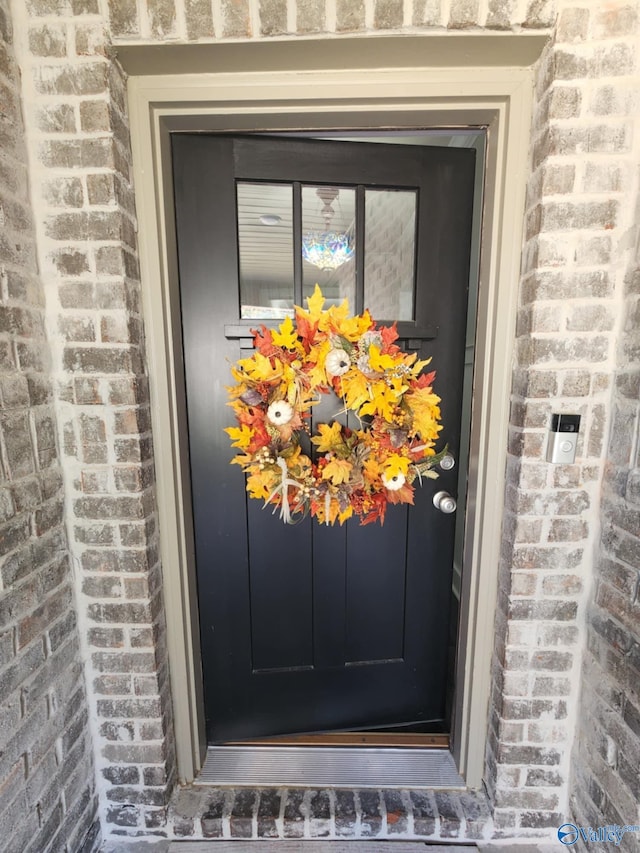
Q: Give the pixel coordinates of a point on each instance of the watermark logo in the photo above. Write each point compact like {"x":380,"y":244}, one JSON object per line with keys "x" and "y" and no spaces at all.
{"x":569,"y":833}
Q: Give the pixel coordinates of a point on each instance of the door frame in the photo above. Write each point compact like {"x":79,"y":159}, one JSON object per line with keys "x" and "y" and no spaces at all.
{"x":471,"y":81}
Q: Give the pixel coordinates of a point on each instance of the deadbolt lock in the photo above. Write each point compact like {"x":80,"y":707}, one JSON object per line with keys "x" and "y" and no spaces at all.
{"x":447,"y":462}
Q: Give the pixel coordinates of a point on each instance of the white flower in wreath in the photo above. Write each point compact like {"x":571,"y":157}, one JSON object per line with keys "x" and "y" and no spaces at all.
{"x":279,"y":413}
{"x":337,"y":362}
{"x":395,"y":482}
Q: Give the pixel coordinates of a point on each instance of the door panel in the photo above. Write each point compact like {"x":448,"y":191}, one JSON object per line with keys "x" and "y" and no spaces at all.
{"x":306,"y":627}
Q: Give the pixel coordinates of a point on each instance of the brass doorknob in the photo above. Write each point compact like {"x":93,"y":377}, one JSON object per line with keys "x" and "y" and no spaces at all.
{"x":444,"y":502}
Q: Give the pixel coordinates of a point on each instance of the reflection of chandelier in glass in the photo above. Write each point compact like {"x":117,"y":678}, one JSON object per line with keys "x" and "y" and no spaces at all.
{"x":327,"y":249}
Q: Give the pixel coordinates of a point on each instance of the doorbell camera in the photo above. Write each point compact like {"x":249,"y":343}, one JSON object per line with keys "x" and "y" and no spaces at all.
{"x":563,"y":438}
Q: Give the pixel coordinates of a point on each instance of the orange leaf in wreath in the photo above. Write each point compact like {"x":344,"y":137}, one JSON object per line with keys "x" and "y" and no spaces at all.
{"x":260,"y":438}
{"x":401,"y":496}
{"x":389,"y":334}
{"x":425,"y":380}
{"x":372,"y":469}
{"x":262,"y":341}
{"x":378,"y":509}
{"x":292,"y":426}
{"x":306,"y":330}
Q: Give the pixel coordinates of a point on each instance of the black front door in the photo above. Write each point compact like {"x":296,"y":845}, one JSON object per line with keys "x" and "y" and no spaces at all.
{"x":306,"y":627}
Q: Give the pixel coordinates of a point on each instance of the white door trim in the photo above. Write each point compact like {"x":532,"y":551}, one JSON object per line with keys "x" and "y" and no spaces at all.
{"x":499,"y":98}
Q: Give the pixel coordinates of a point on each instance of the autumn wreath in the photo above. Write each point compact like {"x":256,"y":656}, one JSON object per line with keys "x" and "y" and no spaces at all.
{"x":353,"y":471}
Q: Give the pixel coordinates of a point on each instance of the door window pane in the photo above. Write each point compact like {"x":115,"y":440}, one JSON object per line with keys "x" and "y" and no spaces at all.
{"x":389,"y":253}
{"x":265,"y":246}
{"x":328,"y":242}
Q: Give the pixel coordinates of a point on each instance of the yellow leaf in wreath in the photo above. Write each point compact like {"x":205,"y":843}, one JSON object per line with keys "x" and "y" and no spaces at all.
{"x":352,"y":328}
{"x":355,"y":387}
{"x":333,"y":318}
{"x":286,"y":336}
{"x":240,"y":377}
{"x":337,"y":471}
{"x":298,"y":463}
{"x":241,"y":436}
{"x":261,"y":484}
{"x":330,"y":517}
{"x":345,"y":514}
{"x":259,"y":368}
{"x":244,"y":459}
{"x":330,"y":436}
{"x":397,"y":385}
{"x":423,"y":404}
{"x":315,"y":303}
{"x":317,"y":374}
{"x":418,"y":365}
{"x":395,"y":465}
{"x":383,"y":402}
{"x":289,"y":386}
{"x":380,"y":362}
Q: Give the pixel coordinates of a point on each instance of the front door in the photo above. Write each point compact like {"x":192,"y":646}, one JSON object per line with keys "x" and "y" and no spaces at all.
{"x":309,"y":628}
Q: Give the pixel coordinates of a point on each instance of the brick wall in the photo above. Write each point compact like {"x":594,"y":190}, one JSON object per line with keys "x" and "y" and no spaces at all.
{"x":207,"y":20}
{"x":606,"y":781}
{"x":582,"y":203}
{"x":575,"y":351}
{"x":80,"y":151}
{"x":47,"y":789}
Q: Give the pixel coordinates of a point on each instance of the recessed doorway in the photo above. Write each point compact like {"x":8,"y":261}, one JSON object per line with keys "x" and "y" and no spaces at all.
{"x":276,"y":102}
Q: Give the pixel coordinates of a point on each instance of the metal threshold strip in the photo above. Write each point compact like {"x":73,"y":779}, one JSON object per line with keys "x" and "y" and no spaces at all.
{"x":288,"y":845}
{"x":336,"y":767}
